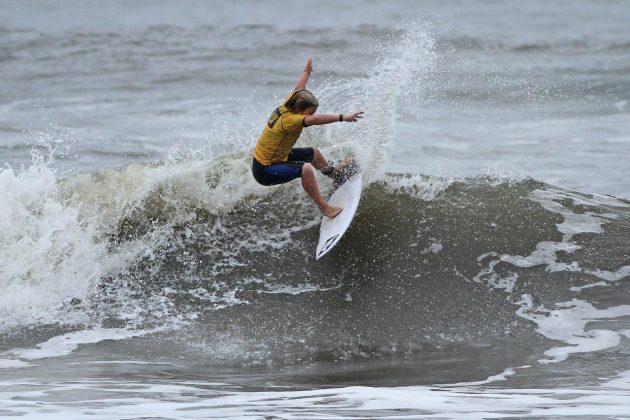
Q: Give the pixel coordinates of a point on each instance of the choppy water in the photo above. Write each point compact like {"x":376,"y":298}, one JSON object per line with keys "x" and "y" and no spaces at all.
{"x":143,"y":273}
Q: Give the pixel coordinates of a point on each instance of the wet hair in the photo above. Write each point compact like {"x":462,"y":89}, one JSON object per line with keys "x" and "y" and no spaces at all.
{"x":301,"y":100}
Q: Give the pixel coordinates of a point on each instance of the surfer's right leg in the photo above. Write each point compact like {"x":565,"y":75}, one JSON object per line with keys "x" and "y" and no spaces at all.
{"x":315,"y":160}
{"x":309,"y":183}
{"x":297,"y":166}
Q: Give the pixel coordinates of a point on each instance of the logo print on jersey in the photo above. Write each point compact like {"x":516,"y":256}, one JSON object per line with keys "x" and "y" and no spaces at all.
{"x":274,"y":118}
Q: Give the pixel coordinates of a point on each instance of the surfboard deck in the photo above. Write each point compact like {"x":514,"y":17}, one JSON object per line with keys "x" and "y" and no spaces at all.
{"x":346,"y":195}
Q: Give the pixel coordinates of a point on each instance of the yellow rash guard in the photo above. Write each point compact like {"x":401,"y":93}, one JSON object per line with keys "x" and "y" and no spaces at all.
{"x":279,"y":135}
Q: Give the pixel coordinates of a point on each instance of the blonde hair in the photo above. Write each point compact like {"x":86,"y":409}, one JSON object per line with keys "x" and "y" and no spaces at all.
{"x":302,"y":100}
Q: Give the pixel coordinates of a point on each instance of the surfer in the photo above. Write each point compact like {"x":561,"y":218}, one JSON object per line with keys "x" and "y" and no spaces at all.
{"x":276,"y":161}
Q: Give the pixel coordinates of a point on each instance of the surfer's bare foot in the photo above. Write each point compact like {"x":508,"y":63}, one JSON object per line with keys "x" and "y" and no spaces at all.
{"x":330,"y":211}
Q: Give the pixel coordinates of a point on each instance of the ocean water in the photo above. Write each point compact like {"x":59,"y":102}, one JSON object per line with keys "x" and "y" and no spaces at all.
{"x":144,"y":273}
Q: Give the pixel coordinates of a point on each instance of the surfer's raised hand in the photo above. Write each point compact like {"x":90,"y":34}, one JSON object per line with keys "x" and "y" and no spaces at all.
{"x":301,"y":81}
{"x":308,"y":67}
{"x":352,"y":117}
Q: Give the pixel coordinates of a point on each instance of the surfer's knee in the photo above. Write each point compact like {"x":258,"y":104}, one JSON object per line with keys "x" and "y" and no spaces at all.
{"x":308,"y":176}
{"x":307,"y":170}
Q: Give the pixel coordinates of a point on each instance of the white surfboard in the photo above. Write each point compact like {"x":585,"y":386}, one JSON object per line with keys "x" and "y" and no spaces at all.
{"x":347,"y":195}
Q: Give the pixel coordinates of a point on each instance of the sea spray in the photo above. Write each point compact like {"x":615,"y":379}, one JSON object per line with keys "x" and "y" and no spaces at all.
{"x":401,"y":65}
{"x":397,"y":71}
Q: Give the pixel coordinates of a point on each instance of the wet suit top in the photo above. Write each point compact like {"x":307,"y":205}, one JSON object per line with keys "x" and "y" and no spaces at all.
{"x":279,"y":135}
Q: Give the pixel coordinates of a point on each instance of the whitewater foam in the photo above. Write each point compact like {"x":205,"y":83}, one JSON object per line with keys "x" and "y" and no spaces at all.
{"x":48,"y":253}
{"x":189,"y":399}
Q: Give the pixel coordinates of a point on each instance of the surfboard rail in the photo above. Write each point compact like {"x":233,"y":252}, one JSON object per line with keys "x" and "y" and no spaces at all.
{"x":347,"y":195}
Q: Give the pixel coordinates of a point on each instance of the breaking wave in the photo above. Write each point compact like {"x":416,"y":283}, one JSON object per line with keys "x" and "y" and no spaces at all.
{"x":194,"y":254}
{"x":428,"y":262}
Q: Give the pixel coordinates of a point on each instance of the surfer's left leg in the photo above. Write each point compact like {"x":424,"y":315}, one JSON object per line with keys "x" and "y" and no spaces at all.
{"x":327,"y":167}
{"x":340,"y":172}
{"x":319,"y":161}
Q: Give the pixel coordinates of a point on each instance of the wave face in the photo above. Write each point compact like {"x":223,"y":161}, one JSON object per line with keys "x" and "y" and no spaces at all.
{"x":427,"y":263}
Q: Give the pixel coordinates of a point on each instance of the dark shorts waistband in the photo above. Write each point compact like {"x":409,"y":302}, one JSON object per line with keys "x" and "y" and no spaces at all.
{"x":281,"y":172}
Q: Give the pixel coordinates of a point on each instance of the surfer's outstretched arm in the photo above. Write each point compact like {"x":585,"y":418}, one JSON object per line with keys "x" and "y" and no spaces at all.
{"x":319,"y":119}
{"x":301,"y":81}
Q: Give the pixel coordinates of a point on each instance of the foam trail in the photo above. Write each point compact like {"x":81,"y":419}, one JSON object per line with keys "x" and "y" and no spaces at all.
{"x":567,"y":323}
{"x":65,"y":344}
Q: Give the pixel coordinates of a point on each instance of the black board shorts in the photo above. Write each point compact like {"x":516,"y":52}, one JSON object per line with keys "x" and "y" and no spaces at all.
{"x":279,"y":173}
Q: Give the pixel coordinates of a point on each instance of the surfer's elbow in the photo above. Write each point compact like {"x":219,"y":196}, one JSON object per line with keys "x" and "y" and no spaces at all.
{"x":311,"y":120}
